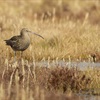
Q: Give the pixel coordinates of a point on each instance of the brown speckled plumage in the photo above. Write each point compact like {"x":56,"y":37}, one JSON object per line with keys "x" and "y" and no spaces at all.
{"x":20,"y":42}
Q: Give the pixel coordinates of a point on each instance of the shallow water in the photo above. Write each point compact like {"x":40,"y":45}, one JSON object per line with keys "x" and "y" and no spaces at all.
{"x":88,"y":97}
{"x":80,"y":65}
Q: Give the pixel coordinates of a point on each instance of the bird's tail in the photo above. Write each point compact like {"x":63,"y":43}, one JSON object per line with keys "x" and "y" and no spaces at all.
{"x":7,"y":42}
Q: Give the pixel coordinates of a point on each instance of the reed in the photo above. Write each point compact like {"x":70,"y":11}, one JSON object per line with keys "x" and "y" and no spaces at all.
{"x":25,"y":80}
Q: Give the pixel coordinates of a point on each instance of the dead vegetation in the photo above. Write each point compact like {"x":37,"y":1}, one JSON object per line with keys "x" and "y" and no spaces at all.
{"x":22,"y":80}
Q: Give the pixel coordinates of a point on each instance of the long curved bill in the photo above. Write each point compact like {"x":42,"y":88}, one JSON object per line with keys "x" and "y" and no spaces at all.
{"x":37,"y":34}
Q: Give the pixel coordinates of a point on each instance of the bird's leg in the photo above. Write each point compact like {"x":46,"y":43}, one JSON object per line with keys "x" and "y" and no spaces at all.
{"x":14,"y":56}
{"x":21,"y":54}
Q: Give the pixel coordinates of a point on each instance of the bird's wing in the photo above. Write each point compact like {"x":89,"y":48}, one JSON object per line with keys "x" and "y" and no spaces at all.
{"x":15,"y":41}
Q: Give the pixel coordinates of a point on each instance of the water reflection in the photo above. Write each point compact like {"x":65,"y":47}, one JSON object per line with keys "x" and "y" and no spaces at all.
{"x":88,"y":97}
{"x":81,"y":65}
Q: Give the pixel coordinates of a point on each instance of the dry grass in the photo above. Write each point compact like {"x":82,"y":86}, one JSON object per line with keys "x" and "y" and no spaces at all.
{"x":64,"y":37}
{"x":23,"y":80}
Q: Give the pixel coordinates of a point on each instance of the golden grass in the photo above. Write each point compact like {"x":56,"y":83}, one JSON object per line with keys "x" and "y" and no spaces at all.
{"x":64,"y":37}
{"x":23,"y":80}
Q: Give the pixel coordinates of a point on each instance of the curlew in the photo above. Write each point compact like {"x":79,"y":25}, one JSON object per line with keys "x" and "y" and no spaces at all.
{"x":20,"y":42}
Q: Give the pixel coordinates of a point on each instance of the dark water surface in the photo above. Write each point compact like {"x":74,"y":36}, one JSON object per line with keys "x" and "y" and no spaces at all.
{"x":81,"y":65}
{"x":88,"y":97}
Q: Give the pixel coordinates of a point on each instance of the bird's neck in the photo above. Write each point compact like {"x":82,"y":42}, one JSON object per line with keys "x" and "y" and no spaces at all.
{"x":24,"y":35}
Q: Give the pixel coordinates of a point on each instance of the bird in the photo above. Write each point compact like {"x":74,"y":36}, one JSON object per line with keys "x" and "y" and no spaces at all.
{"x":20,"y":42}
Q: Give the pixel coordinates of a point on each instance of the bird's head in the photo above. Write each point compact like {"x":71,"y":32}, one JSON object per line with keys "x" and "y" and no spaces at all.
{"x":25,"y":31}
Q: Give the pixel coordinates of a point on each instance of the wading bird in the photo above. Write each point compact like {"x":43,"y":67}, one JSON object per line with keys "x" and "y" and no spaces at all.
{"x":20,"y":42}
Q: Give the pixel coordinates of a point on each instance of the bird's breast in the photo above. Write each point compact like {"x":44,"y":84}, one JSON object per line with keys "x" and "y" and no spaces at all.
{"x":24,"y":44}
